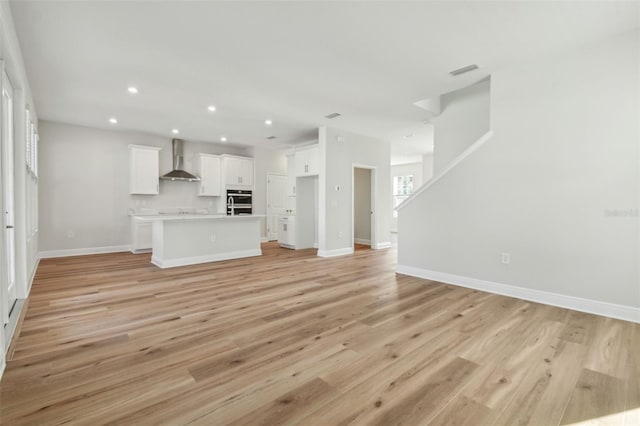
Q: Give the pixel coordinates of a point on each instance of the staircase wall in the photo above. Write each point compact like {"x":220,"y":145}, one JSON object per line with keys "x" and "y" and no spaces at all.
{"x":556,"y":187}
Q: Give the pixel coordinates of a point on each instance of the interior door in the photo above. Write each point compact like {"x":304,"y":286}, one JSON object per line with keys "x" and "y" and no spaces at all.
{"x":9,"y":252}
{"x":276,"y":203}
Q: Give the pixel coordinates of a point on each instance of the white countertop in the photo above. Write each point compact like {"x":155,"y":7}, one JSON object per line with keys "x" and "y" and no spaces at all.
{"x":220,"y":216}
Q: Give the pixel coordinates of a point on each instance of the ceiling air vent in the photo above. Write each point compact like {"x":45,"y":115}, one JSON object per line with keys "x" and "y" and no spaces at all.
{"x":332,"y":115}
{"x":271,"y":137}
{"x":464,"y":69}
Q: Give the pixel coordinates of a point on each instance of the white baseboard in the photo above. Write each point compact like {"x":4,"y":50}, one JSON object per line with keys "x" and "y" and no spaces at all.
{"x":266,"y":239}
{"x":3,"y":365}
{"x":33,"y":274}
{"x":383,"y":245}
{"x":336,"y":252}
{"x":627,"y":313}
{"x":183,"y":261}
{"x":362,"y":241}
{"x":82,"y":251}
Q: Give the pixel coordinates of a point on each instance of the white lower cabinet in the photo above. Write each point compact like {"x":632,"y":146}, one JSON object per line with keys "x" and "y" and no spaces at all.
{"x":141,"y":235}
{"x":287,"y":232}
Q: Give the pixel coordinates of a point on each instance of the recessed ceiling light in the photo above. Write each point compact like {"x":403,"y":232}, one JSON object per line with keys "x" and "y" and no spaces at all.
{"x":268,"y":122}
{"x":223,"y":139}
{"x":113,"y":120}
{"x":271,"y":137}
{"x":132,"y":89}
{"x":211,"y":108}
{"x":332,"y":115}
{"x":175,"y":131}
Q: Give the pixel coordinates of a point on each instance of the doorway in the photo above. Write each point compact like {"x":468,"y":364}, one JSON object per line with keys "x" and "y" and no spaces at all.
{"x":363,"y":207}
{"x":276,"y":203}
{"x":8,"y":200}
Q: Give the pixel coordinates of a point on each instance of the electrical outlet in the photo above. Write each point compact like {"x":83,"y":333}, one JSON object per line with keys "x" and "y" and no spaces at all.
{"x":70,"y":234}
{"x":505,"y":258}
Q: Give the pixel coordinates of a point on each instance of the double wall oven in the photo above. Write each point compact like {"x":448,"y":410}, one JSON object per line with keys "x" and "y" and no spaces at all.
{"x":239,"y":202}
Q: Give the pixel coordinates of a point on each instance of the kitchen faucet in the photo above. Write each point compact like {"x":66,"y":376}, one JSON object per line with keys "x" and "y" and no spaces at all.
{"x":230,"y":201}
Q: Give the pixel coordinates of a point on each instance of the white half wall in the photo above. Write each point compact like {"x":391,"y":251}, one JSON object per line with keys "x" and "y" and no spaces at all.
{"x":339,"y":151}
{"x":427,"y":167}
{"x":556,"y":188}
{"x":464,"y":118}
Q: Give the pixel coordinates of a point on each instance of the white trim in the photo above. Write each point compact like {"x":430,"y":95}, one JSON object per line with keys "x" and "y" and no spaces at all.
{"x":626,"y":313}
{"x":335,"y":252}
{"x":82,"y":251}
{"x":383,"y":245}
{"x":266,"y":239}
{"x":362,"y":241}
{"x":3,"y":365}
{"x":183,"y":261}
{"x":140,"y":251}
{"x":473,"y":147}
{"x":33,"y":274}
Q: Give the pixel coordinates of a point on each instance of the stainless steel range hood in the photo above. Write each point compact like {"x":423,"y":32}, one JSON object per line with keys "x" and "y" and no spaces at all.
{"x":178,"y":163}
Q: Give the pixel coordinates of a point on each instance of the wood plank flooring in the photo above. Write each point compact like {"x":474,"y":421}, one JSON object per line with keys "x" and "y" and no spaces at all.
{"x":290,"y":338}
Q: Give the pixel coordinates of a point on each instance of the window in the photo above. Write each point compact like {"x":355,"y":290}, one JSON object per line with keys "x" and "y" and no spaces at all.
{"x":402,"y":188}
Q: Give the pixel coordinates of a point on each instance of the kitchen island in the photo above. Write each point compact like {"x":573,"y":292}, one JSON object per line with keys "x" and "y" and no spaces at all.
{"x":181,"y":239}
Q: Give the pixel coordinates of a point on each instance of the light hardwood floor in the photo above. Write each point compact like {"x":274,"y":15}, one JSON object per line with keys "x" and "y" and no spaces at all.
{"x":290,"y":338}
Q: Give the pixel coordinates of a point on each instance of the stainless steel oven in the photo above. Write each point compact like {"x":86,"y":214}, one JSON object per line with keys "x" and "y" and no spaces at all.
{"x":239,"y":202}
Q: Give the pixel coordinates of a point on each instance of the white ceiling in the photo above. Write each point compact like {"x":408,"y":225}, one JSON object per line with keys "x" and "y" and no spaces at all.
{"x":292,"y":62}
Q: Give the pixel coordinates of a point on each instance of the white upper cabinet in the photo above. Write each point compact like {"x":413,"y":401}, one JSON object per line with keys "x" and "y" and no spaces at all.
{"x":291,"y":175}
{"x":308,"y":161}
{"x":238,"y":171}
{"x":144,"y":170}
{"x":209,"y":185}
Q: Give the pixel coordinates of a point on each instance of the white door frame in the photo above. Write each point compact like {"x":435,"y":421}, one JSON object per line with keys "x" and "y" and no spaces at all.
{"x":8,"y":188}
{"x":374,"y":212}
{"x":4,"y":315}
{"x":268,"y":207}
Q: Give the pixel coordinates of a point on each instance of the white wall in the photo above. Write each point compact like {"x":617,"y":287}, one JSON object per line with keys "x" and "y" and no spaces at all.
{"x":427,"y":167}
{"x":339,"y":151}
{"x":556,"y":187}
{"x":463,"y":119}
{"x":84,"y":185}
{"x":26,"y":187}
{"x":362,"y":205}
{"x":266,"y":160}
{"x":415,"y":169}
